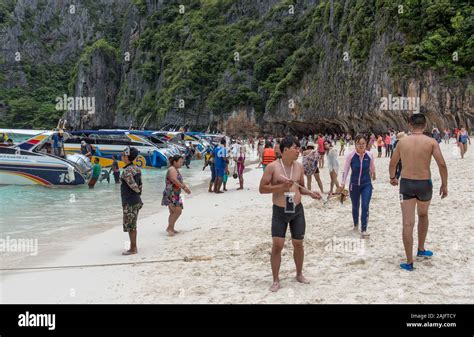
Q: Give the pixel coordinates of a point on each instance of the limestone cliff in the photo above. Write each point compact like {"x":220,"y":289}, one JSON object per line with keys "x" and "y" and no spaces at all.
{"x":291,"y":66}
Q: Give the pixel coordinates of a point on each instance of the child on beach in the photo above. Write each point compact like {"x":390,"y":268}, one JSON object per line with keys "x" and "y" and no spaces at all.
{"x":130,"y":191}
{"x":342,"y":142}
{"x":226,"y":176}
{"x":207,"y":157}
{"x":172,"y":192}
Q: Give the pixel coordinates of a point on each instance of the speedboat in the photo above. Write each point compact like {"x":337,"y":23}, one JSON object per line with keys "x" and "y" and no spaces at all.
{"x":108,"y":143}
{"x":23,"y":164}
{"x":157,"y":139}
{"x":17,"y":135}
{"x":199,"y":137}
{"x":182,"y":139}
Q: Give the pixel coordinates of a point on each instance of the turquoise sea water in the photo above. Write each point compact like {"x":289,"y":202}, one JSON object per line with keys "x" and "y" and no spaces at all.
{"x":57,"y":216}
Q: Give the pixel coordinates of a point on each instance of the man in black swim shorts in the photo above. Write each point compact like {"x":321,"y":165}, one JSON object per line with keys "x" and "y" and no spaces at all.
{"x":416,"y":188}
{"x":281,"y":219}
{"x":422,"y":190}
{"x":281,"y":178}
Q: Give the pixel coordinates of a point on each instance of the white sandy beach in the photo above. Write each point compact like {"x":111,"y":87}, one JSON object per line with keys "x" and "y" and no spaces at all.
{"x":233,"y":229}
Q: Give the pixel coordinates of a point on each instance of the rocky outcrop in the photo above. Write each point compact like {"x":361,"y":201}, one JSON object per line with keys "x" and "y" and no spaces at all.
{"x":98,"y":80}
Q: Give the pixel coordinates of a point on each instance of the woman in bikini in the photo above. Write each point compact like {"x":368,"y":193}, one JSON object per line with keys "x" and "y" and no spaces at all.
{"x":241,"y":167}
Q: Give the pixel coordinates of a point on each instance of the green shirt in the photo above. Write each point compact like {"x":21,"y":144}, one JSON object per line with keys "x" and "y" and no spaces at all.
{"x":96,"y":171}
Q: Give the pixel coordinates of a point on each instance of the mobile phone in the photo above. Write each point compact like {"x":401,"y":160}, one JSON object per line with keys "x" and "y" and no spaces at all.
{"x":289,"y":202}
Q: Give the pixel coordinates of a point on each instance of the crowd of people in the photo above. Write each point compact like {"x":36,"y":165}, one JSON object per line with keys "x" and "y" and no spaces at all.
{"x":288,"y":179}
{"x":284,"y":179}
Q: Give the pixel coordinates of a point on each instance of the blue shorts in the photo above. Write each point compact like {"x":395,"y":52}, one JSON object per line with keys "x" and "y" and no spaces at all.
{"x":220,"y":172}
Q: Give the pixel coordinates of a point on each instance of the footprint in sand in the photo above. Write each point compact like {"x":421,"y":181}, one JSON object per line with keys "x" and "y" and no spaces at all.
{"x":356,"y":262}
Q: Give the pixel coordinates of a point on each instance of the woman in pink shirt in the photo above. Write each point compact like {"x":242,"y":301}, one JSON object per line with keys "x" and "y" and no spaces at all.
{"x":388,"y":145}
{"x":321,"y":150}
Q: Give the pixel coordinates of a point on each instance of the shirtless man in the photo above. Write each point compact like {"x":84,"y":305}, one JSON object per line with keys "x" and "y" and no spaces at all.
{"x":416,"y":187}
{"x":279,"y":179}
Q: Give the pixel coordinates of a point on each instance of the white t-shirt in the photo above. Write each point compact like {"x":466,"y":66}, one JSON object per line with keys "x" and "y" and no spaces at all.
{"x":235,"y":149}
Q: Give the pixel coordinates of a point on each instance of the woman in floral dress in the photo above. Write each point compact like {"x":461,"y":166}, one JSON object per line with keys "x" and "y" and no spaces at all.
{"x":172,"y":192}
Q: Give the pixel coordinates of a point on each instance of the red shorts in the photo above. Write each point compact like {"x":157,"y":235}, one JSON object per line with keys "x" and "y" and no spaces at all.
{"x":92,"y":182}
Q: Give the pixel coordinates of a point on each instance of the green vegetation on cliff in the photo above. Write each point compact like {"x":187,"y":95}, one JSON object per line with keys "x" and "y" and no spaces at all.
{"x":219,"y":55}
{"x":33,"y":105}
{"x":439,"y":36}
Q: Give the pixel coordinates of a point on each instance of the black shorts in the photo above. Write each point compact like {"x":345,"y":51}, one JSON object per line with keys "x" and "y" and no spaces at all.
{"x":280,"y":221}
{"x":420,"y":189}
{"x":379,"y":148}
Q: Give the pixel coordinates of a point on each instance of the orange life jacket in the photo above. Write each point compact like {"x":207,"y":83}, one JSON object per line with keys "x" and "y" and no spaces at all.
{"x":268,"y":156}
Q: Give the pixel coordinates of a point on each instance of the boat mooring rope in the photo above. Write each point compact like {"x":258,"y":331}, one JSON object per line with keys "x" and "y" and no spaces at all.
{"x":185,"y":259}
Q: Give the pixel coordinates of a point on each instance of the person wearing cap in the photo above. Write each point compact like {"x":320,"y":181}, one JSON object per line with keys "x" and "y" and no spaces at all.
{"x":86,"y":149}
{"x":130,"y":192}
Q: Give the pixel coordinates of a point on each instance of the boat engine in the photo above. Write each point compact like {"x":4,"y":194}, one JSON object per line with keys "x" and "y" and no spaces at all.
{"x":82,"y":163}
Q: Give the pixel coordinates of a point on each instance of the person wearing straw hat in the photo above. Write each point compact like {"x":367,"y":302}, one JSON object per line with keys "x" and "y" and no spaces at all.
{"x":284,"y":178}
